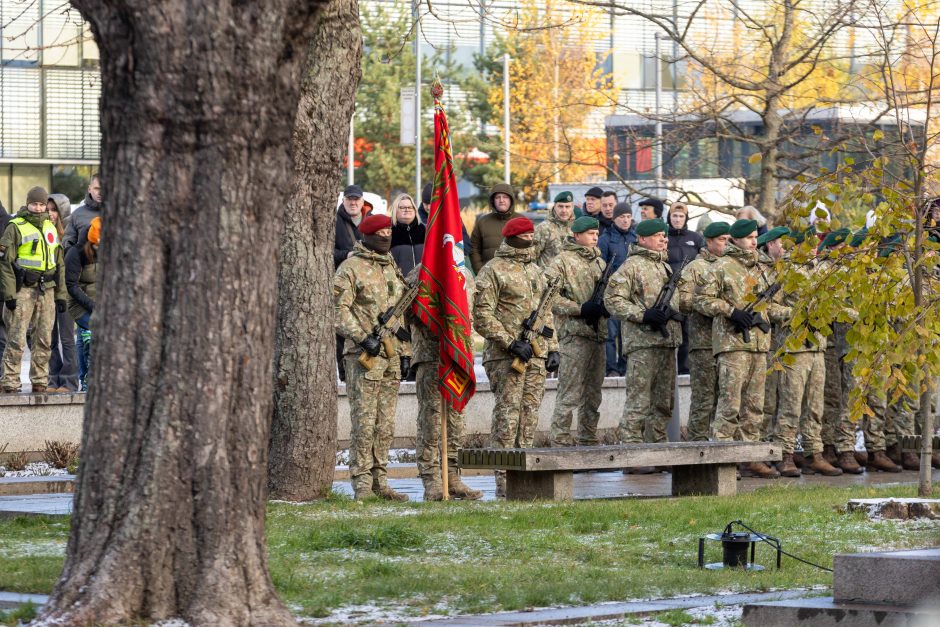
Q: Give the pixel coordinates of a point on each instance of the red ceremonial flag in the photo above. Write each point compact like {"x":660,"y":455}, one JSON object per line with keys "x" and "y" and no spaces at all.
{"x":441,"y":303}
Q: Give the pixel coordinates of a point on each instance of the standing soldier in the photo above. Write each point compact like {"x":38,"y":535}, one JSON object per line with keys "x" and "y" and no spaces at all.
{"x":551,"y":235}
{"x":365,"y":286}
{"x":650,"y":336}
{"x":729,"y":288}
{"x":508,"y":290}
{"x":582,"y":332}
{"x":32,"y":281}
{"x":425,"y":348}
{"x":704,"y":376}
{"x":769,"y":252}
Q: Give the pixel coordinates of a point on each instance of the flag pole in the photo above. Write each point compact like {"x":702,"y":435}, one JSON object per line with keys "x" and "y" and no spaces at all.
{"x":444,"y":410}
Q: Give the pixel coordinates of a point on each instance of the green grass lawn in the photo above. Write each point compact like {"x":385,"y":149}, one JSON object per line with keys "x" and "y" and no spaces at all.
{"x":480,"y":557}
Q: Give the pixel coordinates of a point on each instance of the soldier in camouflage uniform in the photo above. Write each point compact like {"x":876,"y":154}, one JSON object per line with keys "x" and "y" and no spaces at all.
{"x":425,"y":348}
{"x":365,"y":286}
{"x":729,"y":287}
{"x":902,"y":419}
{"x":651,"y":358}
{"x":769,"y":251}
{"x":32,"y":284}
{"x":582,"y":332}
{"x":551,"y":235}
{"x":704,"y":376}
{"x":508,"y":289}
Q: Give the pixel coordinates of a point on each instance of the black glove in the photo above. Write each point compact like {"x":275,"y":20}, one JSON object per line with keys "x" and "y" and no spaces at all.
{"x":61,"y":306}
{"x":405,"y":366}
{"x":655,"y":317}
{"x":371,"y":345}
{"x":742,"y":319}
{"x":11,"y":304}
{"x":592,"y":310}
{"x":521,"y":349}
{"x":553,"y":361}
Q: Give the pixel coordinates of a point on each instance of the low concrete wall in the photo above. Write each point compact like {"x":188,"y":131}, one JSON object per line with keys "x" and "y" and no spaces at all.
{"x":27,"y":421}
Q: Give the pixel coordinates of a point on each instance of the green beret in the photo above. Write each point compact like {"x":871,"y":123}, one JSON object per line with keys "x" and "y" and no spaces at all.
{"x":584,"y":223}
{"x":889,"y":244}
{"x":742,"y":228}
{"x":834,"y":238}
{"x":859,"y":238}
{"x":651,"y":227}
{"x":716,"y":229}
{"x":564,"y":197}
{"x":775,"y":233}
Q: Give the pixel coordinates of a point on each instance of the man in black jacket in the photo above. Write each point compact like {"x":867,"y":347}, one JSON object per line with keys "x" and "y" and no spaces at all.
{"x":348,"y":217}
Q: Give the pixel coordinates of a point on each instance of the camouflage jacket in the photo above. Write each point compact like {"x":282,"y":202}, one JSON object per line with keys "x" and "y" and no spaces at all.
{"x":633,"y":289}
{"x":733,"y":283}
{"x":580,"y":268}
{"x":693,"y":278}
{"x":425,"y":346}
{"x":782,"y":331}
{"x":364,"y":286}
{"x":508,"y":290}
{"x":550,"y":238}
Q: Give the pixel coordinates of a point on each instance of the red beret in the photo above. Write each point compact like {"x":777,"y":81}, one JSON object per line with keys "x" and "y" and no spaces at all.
{"x":517,"y":226}
{"x":373,"y":223}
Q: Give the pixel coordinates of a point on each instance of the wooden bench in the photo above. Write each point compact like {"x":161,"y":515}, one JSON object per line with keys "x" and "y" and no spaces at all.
{"x":912,"y":443}
{"x":547,"y":473}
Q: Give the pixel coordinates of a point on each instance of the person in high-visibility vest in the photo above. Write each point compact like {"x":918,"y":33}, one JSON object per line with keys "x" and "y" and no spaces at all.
{"x":32,"y":285}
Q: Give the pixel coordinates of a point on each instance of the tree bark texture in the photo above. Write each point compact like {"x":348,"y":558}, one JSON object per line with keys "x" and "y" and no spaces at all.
{"x":197,"y":111}
{"x":303,"y":431}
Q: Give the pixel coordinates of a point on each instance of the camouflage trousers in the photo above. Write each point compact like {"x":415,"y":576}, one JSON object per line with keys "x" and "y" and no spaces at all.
{"x":651,"y":388}
{"x":740,"y":409}
{"x":704,"y":384}
{"x":518,"y":398}
{"x":771,"y":400}
{"x":801,"y":380}
{"x":373,"y":396}
{"x":873,"y":426}
{"x":37,"y":310}
{"x":580,"y":379}
{"x":834,"y":395}
{"x":428,"y":441}
{"x":902,"y":418}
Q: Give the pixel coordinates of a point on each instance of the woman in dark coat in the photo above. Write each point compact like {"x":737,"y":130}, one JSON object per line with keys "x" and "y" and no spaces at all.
{"x":407,"y":233}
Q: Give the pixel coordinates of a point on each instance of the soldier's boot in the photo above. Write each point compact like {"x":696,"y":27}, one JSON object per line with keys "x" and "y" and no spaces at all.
{"x":798,"y":460}
{"x":387,"y":493}
{"x":38,"y":388}
{"x":861,"y":458}
{"x":849,"y":464}
{"x":460,"y":490}
{"x":363,"y":492}
{"x":877,"y":460}
{"x":818,"y":463}
{"x":894,"y":453}
{"x":433,"y":490}
{"x":829,"y":452}
{"x":910,"y":461}
{"x":786,"y":467}
{"x":762,"y":470}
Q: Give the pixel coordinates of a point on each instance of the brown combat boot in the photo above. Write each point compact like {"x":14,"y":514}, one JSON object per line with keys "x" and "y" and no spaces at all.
{"x":910,"y":460}
{"x":894,"y":453}
{"x":849,"y":463}
{"x":786,"y":467}
{"x":433,"y":490}
{"x":798,"y":460}
{"x":818,"y":464}
{"x":877,"y":460}
{"x":861,"y":458}
{"x":460,"y":490}
{"x":762,"y":470}
{"x":387,"y":493}
{"x":39,"y":389}
{"x":829,"y":452}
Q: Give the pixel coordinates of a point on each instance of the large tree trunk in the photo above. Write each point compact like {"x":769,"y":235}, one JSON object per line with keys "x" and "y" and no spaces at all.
{"x":303,"y":432}
{"x":197,"y":110}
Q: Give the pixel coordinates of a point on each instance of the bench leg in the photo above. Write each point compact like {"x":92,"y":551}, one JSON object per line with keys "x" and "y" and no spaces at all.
{"x":544,"y":485}
{"x":716,"y":479}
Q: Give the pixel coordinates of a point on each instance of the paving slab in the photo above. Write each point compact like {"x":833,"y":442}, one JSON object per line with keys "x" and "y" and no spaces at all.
{"x":36,"y":505}
{"x":903,"y":577}
{"x":12,"y":600}
{"x":825,"y":612}
{"x":609,"y":611}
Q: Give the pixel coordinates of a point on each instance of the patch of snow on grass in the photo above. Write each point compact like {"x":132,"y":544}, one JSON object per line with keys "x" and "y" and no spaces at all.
{"x":34,"y":469}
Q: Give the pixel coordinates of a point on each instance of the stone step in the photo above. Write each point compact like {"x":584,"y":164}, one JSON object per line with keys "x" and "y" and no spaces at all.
{"x":826,"y":612}
{"x":891,"y":578}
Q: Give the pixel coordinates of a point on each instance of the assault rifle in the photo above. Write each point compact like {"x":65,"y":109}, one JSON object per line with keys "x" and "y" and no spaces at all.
{"x":391,"y":322}
{"x":665,"y":297}
{"x":597,"y":296}
{"x":534,"y":325}
{"x":765,"y":295}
